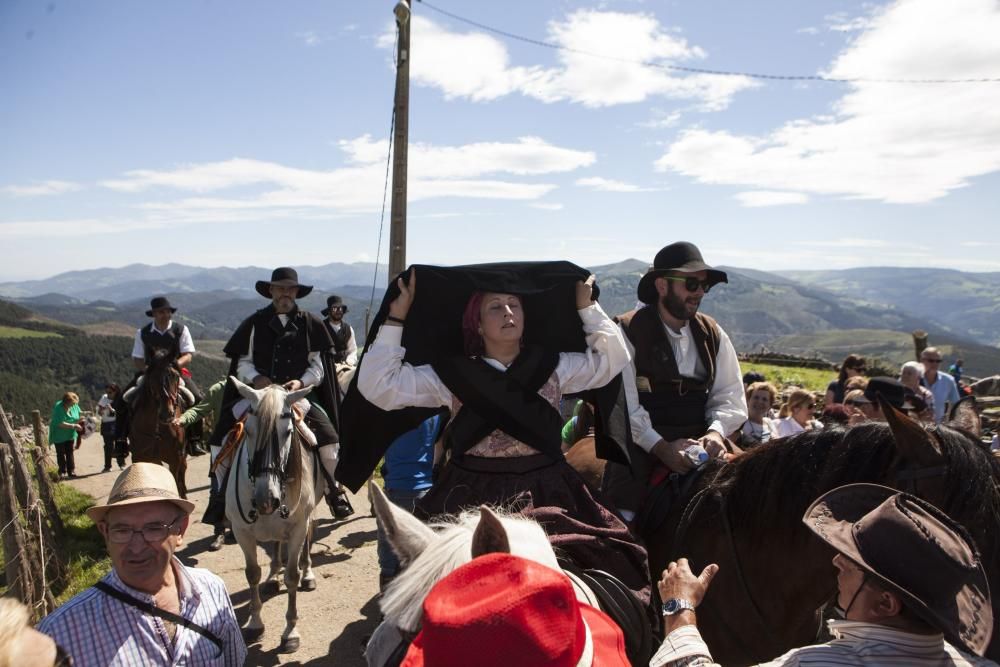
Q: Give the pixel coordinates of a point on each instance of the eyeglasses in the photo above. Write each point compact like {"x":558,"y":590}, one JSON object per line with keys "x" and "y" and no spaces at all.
{"x":151,"y":532}
{"x":691,"y":284}
{"x":336,"y":307}
{"x":932,"y":361}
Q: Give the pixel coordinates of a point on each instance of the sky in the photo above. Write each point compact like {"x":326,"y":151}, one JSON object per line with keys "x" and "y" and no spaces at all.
{"x":224,"y":133}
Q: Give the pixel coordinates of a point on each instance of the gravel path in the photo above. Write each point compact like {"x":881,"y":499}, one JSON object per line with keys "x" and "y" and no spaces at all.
{"x":333,"y":620}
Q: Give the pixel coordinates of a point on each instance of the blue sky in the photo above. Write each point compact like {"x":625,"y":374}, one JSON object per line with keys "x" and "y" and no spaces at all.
{"x":231,"y":133}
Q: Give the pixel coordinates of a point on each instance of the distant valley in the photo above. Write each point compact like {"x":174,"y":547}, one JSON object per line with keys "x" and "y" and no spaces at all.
{"x":825,"y":314}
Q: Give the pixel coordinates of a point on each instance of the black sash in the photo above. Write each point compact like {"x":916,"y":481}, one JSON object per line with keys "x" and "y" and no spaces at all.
{"x":162,"y":613}
{"x":509,"y":401}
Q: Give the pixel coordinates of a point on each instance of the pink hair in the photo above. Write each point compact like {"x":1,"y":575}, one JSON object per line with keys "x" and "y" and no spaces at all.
{"x":473,"y":340}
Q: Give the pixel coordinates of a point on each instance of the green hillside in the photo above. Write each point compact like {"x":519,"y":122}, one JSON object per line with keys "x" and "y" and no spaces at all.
{"x":36,"y":372}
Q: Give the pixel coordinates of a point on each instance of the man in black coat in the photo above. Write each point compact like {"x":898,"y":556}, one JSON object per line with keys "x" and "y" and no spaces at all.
{"x":291,"y":347}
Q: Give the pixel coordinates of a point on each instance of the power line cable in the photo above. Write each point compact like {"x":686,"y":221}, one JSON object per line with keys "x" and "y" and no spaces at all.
{"x":693,"y":70}
{"x":385,"y":190}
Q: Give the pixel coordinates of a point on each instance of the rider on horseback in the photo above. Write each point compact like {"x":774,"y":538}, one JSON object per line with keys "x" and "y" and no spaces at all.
{"x":160,"y":337}
{"x":284,"y":345}
{"x":345,"y":347}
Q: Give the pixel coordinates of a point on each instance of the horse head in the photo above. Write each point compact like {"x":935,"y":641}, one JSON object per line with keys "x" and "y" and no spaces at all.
{"x":431,"y":552}
{"x":269,"y":437}
{"x":161,"y":384}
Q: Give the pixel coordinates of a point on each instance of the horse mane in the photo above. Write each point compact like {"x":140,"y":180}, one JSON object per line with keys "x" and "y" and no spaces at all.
{"x":769,"y":488}
{"x":402,"y":602}
{"x":268,"y":412}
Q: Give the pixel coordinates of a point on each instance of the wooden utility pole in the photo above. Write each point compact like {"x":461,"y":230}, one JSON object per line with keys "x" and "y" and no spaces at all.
{"x":400,"y":144}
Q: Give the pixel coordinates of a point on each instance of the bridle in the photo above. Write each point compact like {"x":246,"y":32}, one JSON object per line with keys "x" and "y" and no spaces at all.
{"x":910,"y":476}
{"x":267,"y":461}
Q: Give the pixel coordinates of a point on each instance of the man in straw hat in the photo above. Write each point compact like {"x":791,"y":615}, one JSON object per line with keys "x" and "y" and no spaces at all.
{"x":910,"y":581}
{"x":684,"y":388}
{"x":150,"y":609}
{"x":283,"y":344}
{"x":505,"y":610}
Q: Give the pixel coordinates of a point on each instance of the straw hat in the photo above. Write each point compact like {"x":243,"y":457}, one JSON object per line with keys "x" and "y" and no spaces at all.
{"x":141,"y":483}
{"x":914,"y":549}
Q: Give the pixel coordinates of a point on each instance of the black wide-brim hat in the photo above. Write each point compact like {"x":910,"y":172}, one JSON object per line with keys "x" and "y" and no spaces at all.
{"x":282,"y":276}
{"x":890,"y":390}
{"x":915,"y":550}
{"x":159,"y":302}
{"x":681,"y":256}
{"x":331,"y":301}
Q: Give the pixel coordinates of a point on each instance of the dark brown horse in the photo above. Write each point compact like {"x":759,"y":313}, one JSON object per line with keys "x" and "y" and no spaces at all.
{"x":775,"y":576}
{"x":153,"y":435}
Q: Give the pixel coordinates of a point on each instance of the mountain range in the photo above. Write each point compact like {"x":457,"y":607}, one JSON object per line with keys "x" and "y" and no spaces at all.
{"x":810,"y":313}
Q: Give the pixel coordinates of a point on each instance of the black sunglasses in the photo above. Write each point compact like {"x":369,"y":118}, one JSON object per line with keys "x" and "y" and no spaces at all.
{"x":692,"y":284}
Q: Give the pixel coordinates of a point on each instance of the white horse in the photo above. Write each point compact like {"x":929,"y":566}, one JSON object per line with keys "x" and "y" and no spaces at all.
{"x":428,"y":553}
{"x":273,"y":488}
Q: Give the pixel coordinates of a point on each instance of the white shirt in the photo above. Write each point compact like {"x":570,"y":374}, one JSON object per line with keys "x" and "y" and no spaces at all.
{"x":247,"y":371}
{"x":391,"y":383}
{"x":854,"y":643}
{"x":351,"y":353}
{"x":726,"y":409}
{"x":186,"y":344}
{"x":105,"y":411}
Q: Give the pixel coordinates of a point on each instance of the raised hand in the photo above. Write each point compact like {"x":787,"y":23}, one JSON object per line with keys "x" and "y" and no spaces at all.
{"x":400,"y":306}
{"x":584,"y":292}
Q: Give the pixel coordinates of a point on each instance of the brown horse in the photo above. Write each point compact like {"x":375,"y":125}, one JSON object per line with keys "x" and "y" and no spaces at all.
{"x":153,"y":435}
{"x":775,"y":577}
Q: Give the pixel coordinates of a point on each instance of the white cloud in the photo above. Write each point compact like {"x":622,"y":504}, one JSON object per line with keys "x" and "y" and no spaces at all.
{"x":621,"y":41}
{"x":608,"y":185}
{"x":476,"y":170}
{"x":660,"y":120}
{"x":43,"y":189}
{"x":309,"y":38}
{"x":898,"y":143}
{"x":547,"y":206}
{"x":841,"y":22}
{"x":757,"y":198}
{"x":808,"y":30}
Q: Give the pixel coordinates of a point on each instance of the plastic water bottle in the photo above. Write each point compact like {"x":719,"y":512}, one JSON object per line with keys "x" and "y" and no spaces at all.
{"x":696,"y":454}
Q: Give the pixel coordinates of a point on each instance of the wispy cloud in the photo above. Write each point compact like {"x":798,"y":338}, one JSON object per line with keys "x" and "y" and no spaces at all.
{"x":42,"y":189}
{"x":842,"y":22}
{"x":758,"y":198}
{"x":309,"y":37}
{"x":897,"y":143}
{"x":547,"y":206}
{"x":484,"y":71}
{"x":608,"y":185}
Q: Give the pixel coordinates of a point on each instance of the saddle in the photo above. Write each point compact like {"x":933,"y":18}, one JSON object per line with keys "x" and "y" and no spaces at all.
{"x":617,"y":601}
{"x":131,"y":394}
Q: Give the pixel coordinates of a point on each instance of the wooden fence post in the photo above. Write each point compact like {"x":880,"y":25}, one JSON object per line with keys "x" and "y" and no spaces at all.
{"x":45,"y":487}
{"x":16,"y":568}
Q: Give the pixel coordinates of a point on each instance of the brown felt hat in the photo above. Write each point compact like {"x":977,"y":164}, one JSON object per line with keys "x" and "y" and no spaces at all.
{"x":915,"y":550}
{"x":141,"y":483}
{"x":283,"y":276}
{"x":681,"y":256}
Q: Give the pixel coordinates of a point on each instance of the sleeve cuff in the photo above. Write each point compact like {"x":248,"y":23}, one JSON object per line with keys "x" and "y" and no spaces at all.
{"x":647,"y":440}
{"x":389,"y":336}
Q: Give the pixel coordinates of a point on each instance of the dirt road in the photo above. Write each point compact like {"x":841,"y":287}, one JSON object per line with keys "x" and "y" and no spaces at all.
{"x":333,"y":619}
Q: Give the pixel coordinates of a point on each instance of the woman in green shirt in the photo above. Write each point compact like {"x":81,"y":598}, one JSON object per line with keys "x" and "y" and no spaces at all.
{"x":63,"y":427}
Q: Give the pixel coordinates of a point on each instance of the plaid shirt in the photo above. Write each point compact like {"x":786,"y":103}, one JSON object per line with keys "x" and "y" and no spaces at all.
{"x":854,"y":643}
{"x":96,"y":629}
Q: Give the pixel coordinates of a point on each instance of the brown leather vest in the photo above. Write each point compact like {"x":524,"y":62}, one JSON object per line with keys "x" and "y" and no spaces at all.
{"x":675,"y":403}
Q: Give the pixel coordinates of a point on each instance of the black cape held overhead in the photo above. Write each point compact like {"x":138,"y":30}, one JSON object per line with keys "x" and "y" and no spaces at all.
{"x":433,"y":331}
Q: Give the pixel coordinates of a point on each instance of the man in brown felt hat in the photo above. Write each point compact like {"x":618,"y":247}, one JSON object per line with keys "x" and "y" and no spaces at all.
{"x":151,"y":609}
{"x":684,"y":388}
{"x":911,"y":586}
{"x":283,"y":344}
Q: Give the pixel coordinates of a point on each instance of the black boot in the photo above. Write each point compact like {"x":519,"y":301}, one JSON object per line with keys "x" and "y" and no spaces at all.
{"x":340,"y":506}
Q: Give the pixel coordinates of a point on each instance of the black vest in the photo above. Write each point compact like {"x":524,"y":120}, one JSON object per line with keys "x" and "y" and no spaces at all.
{"x":153,"y":340}
{"x":280,"y":352}
{"x":340,"y":339}
{"x":676,"y":404}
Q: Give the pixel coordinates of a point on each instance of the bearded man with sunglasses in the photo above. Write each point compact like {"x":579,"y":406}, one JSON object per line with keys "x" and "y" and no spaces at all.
{"x":151,"y":609}
{"x":684,"y":387}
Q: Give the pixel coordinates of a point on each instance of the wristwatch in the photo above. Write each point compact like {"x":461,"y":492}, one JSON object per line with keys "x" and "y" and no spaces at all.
{"x":676,"y":606}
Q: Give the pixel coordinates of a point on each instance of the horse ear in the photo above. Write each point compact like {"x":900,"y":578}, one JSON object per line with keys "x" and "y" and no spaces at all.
{"x":913,"y":441}
{"x":246,"y":391}
{"x":407,"y":535}
{"x":297,"y":395}
{"x":965,"y":416}
{"x":490,"y":536}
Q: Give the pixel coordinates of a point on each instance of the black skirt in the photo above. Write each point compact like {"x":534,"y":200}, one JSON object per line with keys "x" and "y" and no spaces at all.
{"x":580,"y":527}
